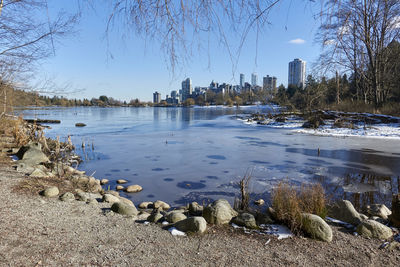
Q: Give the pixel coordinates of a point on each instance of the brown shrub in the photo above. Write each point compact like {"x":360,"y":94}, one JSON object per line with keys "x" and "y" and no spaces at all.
{"x":290,"y":203}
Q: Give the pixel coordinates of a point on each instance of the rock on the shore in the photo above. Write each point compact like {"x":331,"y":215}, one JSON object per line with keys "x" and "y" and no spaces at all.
{"x":39,"y":173}
{"x":395,"y":216}
{"x":133,"y":188}
{"x":175,"y":216}
{"x":51,"y":191}
{"x":119,"y":187}
{"x":121,"y":181}
{"x":219,"y":212}
{"x":195,"y":209}
{"x":68,"y":196}
{"x":259,"y":202}
{"x":104,"y":181}
{"x":110,"y":198}
{"x":316,"y":227}
{"x":246,"y":219}
{"x":143,"y":216}
{"x":126,"y":201}
{"x":379,"y":210}
{"x":146,"y":205}
{"x":192,"y":224}
{"x":374,"y":229}
{"x":343,"y":210}
{"x":161,"y":205}
{"x":155,"y":216}
{"x":32,"y":154}
{"x":264,"y":218}
{"x":124,"y":209}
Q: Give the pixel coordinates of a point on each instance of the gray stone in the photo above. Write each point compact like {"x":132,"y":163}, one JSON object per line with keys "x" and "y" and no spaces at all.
{"x":23,"y":167}
{"x":124,"y":209}
{"x":112,"y":192}
{"x":161,"y":205}
{"x":121,"y":181}
{"x":343,"y":210}
{"x":133,"y":188}
{"x":219,"y":212}
{"x":195,"y":209}
{"x":245,"y":219}
{"x":374,"y":229}
{"x":119,"y":187}
{"x":92,"y":201}
{"x":175,"y":216}
{"x":155,"y":216}
{"x":67,"y":197}
{"x":126,"y":201}
{"x":40,"y":174}
{"x":32,"y":154}
{"x":316,"y":227}
{"x":143,"y":216}
{"x":104,"y":181}
{"x":192,"y":224}
{"x":81,"y":196}
{"x":110,"y":198}
{"x":51,"y":191}
{"x":146,"y":205}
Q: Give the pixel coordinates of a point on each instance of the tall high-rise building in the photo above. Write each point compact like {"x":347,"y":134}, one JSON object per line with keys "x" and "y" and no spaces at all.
{"x":241,"y":81}
{"x":156,"y":97}
{"x":269,"y":83}
{"x":186,"y":89}
{"x":297,"y":73}
{"x":254,"y":79}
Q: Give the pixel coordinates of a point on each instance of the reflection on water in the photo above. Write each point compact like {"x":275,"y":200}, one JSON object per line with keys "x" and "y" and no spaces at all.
{"x":199,"y":154}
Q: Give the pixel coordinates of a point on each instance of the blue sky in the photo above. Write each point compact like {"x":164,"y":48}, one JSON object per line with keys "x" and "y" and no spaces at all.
{"x":138,"y":68}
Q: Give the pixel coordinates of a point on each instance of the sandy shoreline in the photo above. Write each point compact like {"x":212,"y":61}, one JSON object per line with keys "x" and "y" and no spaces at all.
{"x":37,"y":231}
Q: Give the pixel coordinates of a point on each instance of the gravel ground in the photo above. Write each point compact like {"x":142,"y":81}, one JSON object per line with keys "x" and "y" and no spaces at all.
{"x":35,"y":231}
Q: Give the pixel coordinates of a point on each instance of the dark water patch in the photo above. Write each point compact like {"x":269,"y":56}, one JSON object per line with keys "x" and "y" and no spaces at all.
{"x":154,"y":160}
{"x":203,"y":181}
{"x":173,"y":142}
{"x":127,"y":170}
{"x":212,"y":177}
{"x":319,"y":161}
{"x":203,"y":198}
{"x":150,"y":196}
{"x":290,"y":162}
{"x":158,"y":169}
{"x":217,"y":157}
{"x":260,"y":162}
{"x":115,"y":170}
{"x":247,"y":138}
{"x":169,"y":179}
{"x":135,"y":174}
{"x":234,"y":185}
{"x":107,"y":174}
{"x":190,"y":185}
{"x":213,"y":163}
{"x":265,"y":144}
{"x":225,"y":171}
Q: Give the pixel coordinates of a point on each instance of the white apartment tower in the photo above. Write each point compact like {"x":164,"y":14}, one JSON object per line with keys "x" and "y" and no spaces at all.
{"x":241,"y":81}
{"x":254,"y":79}
{"x":297,"y":73}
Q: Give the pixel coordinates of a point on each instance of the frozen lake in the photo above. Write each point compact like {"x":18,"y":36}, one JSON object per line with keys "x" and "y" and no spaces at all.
{"x":199,"y":154}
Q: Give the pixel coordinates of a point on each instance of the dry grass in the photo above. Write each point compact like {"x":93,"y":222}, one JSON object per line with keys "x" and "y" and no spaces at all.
{"x":244,"y":201}
{"x":34,"y":185}
{"x":289,"y":203}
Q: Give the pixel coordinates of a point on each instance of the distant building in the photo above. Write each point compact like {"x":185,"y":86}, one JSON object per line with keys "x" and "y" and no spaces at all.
{"x":156,"y":97}
{"x":241,"y":81}
{"x":186,"y":89}
{"x":297,"y":73}
{"x":269,"y":83}
{"x":254,"y":79}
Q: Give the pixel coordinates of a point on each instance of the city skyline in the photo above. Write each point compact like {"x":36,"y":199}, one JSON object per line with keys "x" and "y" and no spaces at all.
{"x":134,"y":67}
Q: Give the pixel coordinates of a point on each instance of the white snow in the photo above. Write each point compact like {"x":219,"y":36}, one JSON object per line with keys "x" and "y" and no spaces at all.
{"x":176,"y":232}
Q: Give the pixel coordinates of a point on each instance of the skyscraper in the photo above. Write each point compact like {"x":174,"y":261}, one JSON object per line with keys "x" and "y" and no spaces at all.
{"x":254,"y":79}
{"x":269,"y":83}
{"x":297,"y":73}
{"x":156,"y":97}
{"x":186,"y":89}
{"x":241,"y":81}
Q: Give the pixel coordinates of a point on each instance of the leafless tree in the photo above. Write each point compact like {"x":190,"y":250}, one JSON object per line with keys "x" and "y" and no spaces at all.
{"x":27,"y":36}
{"x":355,"y":34}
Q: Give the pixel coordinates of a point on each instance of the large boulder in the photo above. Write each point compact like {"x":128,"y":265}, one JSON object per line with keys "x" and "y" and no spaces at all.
{"x":316,"y":227}
{"x":124,"y":209}
{"x":395,"y":216}
{"x":192,"y":224}
{"x":374,"y":229}
{"x":175,"y":216}
{"x":379,"y":210}
{"x":32,"y":154}
{"x":343,"y":210}
{"x":68,"y":196}
{"x":51,"y":191}
{"x":195,"y":209}
{"x":133,"y":188}
{"x":110,"y":198}
{"x":246,"y":219}
{"x":219,"y":212}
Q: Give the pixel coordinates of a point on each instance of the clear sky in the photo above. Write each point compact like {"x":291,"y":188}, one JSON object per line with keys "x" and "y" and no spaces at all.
{"x":138,"y":68}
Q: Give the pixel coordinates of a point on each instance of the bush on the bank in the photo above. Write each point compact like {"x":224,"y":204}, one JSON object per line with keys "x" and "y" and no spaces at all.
{"x":290,"y":203}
